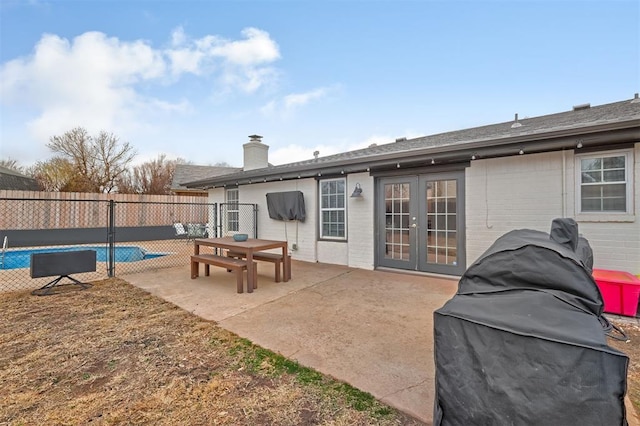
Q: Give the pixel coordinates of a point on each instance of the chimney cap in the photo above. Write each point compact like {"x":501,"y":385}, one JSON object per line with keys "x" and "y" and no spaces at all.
{"x":255,"y":138}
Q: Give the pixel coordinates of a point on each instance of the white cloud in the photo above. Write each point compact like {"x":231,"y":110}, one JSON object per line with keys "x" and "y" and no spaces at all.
{"x":185,"y":61}
{"x":257,"y":48}
{"x":249,"y":80}
{"x":299,"y":99}
{"x":243,"y":64}
{"x":100,"y":82}
{"x":269,"y":108}
{"x":185,"y":56}
{"x":289,"y":103}
{"x":178,"y":36}
{"x":294,"y":153}
{"x":89,"y":81}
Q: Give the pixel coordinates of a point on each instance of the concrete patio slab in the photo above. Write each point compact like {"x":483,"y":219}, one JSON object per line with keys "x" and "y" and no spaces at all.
{"x":371,"y":329}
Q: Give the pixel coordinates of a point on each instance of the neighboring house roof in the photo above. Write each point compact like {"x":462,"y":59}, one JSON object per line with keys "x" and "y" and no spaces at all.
{"x":598,"y":126}
{"x":189,"y":172}
{"x":11,"y":179}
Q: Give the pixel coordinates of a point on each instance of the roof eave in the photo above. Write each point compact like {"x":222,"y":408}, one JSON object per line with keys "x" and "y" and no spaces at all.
{"x":535,"y":142}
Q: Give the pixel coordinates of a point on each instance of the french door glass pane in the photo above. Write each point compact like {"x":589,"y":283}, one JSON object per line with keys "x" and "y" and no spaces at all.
{"x":397,"y":242}
{"x":441,"y":222}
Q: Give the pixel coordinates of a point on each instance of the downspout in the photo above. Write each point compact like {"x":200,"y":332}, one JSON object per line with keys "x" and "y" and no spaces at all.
{"x":486,"y":196}
{"x":563,"y":192}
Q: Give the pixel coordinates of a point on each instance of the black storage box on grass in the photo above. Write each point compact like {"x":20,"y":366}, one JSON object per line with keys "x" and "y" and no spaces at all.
{"x":523,"y":343}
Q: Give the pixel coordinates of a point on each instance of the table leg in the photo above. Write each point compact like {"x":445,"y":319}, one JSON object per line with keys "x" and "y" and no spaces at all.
{"x":194,"y":269}
{"x":251,"y":271}
{"x":286,"y":264}
{"x":196,"y":248}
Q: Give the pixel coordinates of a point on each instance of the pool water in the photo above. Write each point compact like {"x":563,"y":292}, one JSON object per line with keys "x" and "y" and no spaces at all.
{"x":15,"y":259}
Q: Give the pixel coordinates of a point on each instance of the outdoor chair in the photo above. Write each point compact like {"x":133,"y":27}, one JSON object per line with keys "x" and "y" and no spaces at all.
{"x":196,"y":230}
{"x":210,"y":230}
{"x":180,"y":231}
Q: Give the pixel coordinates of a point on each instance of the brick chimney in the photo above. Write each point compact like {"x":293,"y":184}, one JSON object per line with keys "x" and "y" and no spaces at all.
{"x":256,"y":154}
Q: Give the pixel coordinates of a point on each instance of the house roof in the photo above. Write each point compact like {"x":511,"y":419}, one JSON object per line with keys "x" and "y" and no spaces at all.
{"x":11,"y":179}
{"x":189,"y":172}
{"x":592,"y":127}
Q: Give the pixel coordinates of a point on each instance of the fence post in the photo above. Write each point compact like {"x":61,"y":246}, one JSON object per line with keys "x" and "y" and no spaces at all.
{"x":215,"y":221}
{"x":111,"y":240}
{"x":255,"y":220}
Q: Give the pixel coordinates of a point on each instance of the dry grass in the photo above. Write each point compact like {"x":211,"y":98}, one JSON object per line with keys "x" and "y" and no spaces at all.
{"x":632,"y":349}
{"x":114,"y":354}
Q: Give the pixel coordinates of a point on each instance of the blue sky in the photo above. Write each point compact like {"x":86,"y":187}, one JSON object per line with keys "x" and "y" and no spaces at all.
{"x":193,"y":79}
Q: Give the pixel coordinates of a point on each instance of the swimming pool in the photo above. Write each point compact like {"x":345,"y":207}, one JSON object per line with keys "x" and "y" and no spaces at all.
{"x":15,"y":259}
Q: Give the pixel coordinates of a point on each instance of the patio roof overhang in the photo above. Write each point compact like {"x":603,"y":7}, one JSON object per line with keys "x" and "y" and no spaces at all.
{"x":606,"y":135}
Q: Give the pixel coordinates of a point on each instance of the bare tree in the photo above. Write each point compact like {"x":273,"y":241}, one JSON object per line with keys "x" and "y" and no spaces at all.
{"x":113,"y":159}
{"x":151,"y":177}
{"x":98,"y":161}
{"x":12,"y":164}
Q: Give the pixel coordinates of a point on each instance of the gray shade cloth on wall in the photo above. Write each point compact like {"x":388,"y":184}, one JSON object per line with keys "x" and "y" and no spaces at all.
{"x":522,"y":342}
{"x":287,"y":205}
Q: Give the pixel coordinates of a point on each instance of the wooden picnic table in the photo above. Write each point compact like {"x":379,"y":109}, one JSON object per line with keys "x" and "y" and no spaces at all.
{"x":248,"y":248}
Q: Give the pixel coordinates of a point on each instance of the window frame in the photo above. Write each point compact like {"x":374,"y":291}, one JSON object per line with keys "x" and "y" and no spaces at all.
{"x":232,"y":225}
{"x":628,"y":180}
{"x":322,"y":209}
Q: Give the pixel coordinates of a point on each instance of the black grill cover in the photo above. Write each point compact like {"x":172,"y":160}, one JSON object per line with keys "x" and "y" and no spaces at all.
{"x":522,"y":343}
{"x":287,"y":205}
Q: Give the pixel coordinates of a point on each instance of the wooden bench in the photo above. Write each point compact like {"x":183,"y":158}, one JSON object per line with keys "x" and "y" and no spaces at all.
{"x":230,"y":264}
{"x":274,"y":258}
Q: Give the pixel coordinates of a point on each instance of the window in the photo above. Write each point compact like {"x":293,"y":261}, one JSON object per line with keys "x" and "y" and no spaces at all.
{"x":233,"y":212}
{"x":604,"y":184}
{"x":333,"y":209}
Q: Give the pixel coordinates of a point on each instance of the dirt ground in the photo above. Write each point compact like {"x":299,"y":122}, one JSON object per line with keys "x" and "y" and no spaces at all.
{"x":114,"y":354}
{"x":632,"y":349}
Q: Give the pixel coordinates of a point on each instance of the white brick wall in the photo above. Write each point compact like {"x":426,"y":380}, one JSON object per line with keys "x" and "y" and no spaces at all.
{"x":527,"y":192}
{"x":302,"y":234}
{"x":360,"y":217}
{"x":333,"y":252}
{"x":358,"y":252}
{"x":502,"y":195}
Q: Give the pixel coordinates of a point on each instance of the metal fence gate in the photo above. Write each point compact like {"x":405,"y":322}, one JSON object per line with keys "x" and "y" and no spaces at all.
{"x":128,"y":236}
{"x":239,"y":218}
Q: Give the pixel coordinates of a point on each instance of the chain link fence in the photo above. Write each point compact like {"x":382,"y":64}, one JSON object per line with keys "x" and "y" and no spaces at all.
{"x":163,"y":232}
{"x":41,"y":225}
{"x":238,"y":218}
{"x":128,"y":236}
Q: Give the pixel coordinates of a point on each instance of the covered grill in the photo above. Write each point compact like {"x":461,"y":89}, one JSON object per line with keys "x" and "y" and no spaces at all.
{"x":523,"y":342}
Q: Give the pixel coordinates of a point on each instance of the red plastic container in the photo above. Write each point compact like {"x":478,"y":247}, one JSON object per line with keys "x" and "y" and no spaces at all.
{"x":620,"y":291}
